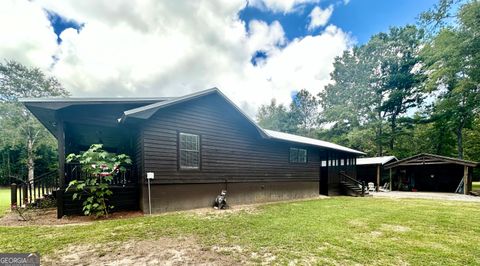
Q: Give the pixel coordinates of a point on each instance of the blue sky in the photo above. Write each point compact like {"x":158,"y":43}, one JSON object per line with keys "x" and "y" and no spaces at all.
{"x":361,"y":18}
{"x":159,"y":48}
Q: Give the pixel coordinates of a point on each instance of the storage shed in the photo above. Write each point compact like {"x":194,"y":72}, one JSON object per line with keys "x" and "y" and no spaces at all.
{"x":429,"y":172}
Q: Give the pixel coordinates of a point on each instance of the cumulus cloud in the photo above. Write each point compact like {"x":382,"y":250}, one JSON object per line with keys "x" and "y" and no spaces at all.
{"x":281,"y":6}
{"x":167,"y":48}
{"x":319,"y":17}
{"x":26,"y":34}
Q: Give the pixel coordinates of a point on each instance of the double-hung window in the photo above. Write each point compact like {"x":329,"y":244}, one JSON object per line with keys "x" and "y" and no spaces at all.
{"x":189,"y":149}
{"x":298,"y":155}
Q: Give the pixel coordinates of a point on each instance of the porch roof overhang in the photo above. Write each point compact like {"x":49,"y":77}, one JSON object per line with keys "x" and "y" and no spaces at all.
{"x":45,"y":109}
{"x":430,"y":159}
{"x":382,"y":160}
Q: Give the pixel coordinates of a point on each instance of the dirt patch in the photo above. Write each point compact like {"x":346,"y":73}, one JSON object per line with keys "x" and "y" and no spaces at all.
{"x":49,"y":217}
{"x":210,"y":213}
{"x":395,"y":228}
{"x":376,"y":234}
{"x":163,"y":251}
{"x":357,"y":223}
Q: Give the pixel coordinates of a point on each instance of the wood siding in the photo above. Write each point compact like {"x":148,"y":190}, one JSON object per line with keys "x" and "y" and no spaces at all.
{"x":231,"y":148}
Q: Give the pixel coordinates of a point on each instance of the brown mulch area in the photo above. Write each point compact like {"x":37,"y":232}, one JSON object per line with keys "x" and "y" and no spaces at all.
{"x":49,"y":217}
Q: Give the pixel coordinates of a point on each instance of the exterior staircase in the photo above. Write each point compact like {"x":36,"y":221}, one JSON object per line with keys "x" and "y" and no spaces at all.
{"x":352,"y":187}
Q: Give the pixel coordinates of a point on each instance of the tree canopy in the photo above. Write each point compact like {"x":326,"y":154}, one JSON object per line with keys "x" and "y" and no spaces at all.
{"x":24,"y":142}
{"x":409,"y":90}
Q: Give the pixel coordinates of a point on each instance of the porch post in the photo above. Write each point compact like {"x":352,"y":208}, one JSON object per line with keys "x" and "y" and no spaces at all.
{"x":466,"y":187}
{"x":61,"y":166}
{"x":378,"y":177}
{"x":390,"y":183}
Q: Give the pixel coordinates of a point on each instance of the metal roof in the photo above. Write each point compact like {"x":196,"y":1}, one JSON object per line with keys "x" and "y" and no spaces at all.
{"x":147,"y":111}
{"x":430,"y":159}
{"x":44,"y":108}
{"x":309,"y":141}
{"x":375,"y":160}
{"x":94,"y":99}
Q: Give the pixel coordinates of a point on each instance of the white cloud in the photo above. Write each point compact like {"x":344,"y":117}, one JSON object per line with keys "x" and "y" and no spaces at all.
{"x":153,"y":48}
{"x":319,"y":17}
{"x":280,"y":6}
{"x":25,"y":34}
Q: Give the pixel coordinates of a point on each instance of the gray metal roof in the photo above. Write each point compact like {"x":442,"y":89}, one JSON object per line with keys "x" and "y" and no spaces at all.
{"x":147,"y":111}
{"x":94,"y":99}
{"x":44,"y":109}
{"x":309,"y":141}
{"x":376,"y":160}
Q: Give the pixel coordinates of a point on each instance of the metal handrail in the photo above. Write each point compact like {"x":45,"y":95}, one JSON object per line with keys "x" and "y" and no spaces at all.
{"x":352,"y":180}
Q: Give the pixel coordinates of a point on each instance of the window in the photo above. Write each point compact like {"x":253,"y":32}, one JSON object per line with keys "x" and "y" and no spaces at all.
{"x":298,"y":155}
{"x":324,"y":163}
{"x":189,"y":149}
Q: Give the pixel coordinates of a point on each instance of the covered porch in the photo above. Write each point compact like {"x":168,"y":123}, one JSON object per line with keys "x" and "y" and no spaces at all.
{"x":79,"y":123}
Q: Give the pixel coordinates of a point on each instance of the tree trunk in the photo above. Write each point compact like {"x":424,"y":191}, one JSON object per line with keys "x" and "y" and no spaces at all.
{"x":393,"y":127}
{"x":379,"y":135}
{"x":30,"y":160}
{"x":460,"y":141}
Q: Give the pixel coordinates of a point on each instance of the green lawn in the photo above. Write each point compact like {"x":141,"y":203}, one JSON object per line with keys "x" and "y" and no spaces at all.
{"x":475,"y":185}
{"x":4,"y":200}
{"x":340,"y":230}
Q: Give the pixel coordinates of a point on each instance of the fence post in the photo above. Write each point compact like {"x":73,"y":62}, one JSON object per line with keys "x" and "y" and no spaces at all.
{"x":59,"y":195}
{"x":13,"y":195}
{"x":25,"y":194}
{"x":363,"y":188}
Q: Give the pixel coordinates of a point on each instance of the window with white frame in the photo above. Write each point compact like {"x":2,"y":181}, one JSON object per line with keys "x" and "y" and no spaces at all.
{"x":298,"y":155}
{"x":189,"y":149}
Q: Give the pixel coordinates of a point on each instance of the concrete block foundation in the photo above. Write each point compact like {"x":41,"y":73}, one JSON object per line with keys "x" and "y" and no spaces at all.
{"x":174,"y":197}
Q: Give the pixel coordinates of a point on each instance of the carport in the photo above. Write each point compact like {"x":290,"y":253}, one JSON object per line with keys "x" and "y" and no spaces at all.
{"x":429,"y":172}
{"x":371,"y":169}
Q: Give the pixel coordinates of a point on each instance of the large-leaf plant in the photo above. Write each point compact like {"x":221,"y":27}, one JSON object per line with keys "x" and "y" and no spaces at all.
{"x":98,"y":167}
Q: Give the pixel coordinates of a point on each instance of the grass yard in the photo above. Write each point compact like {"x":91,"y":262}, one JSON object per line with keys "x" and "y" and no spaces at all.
{"x":475,"y":185}
{"x":4,"y":200}
{"x":341,"y":230}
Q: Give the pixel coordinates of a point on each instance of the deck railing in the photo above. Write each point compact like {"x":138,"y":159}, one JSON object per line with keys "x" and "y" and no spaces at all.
{"x":26,"y":192}
{"x":73,"y":171}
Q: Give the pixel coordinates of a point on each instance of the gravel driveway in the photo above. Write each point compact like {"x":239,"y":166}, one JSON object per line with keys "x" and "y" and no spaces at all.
{"x":425,"y":195}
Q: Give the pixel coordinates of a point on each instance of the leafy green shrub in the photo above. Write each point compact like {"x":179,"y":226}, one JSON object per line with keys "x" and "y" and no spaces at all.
{"x":99,"y":167}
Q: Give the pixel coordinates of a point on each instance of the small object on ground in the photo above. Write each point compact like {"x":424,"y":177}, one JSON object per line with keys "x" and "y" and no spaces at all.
{"x":385,"y":187}
{"x":221,"y":201}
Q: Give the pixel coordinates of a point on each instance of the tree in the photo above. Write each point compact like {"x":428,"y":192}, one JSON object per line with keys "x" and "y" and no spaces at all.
{"x":304,"y":111}
{"x":403,"y":77}
{"x":375,"y":84}
{"x":19,"y":127}
{"x":453,"y":61}
{"x":275,"y":117}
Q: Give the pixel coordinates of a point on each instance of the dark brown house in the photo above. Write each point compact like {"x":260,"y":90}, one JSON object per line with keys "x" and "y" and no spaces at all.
{"x":196,"y":146}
